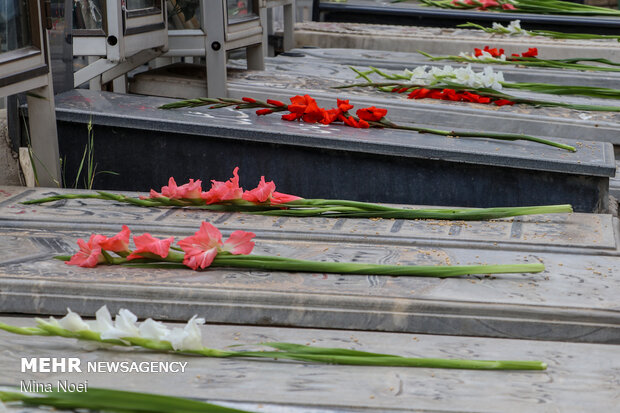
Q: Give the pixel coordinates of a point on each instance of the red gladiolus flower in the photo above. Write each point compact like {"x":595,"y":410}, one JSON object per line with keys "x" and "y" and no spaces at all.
{"x":371,"y":114}
{"x":435,"y":94}
{"x":508,"y":6}
{"x":224,"y":191}
{"x":275,"y":102}
{"x":249,"y":100}
{"x":202,"y":248}
{"x":304,"y":107}
{"x":119,"y":242}
{"x":343,"y":105}
{"x":264,"y":112}
{"x":477,"y":52}
{"x":450,"y":94}
{"x":90,"y":252}
{"x":531,"y":52}
{"x":329,"y":116}
{"x":420,"y":93}
{"x":146,"y":243}
{"x":290,"y":116}
{"x":502,"y":102}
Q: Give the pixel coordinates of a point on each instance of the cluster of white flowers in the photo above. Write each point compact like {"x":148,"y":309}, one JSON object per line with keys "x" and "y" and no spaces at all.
{"x":484,"y":56}
{"x":125,"y":326}
{"x":464,"y":76}
{"x":513,"y":28}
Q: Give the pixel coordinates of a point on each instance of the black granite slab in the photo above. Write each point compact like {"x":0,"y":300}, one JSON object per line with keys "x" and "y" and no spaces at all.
{"x":145,"y":146}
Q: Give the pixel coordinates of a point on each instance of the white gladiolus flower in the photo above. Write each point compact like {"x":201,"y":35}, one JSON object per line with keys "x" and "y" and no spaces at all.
{"x":514,"y":27}
{"x":187,"y":338}
{"x":103,"y":320}
{"x":153,"y":330}
{"x":73,"y":322}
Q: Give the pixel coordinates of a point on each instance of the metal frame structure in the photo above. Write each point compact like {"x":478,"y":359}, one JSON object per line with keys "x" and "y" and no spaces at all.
{"x":27,"y":69}
{"x":217,"y":34}
{"x":123,"y":40}
{"x":288,"y":7}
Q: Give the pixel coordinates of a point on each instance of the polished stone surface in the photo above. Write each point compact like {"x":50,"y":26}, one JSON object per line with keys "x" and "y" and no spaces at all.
{"x":407,"y":167}
{"x":575,"y":299}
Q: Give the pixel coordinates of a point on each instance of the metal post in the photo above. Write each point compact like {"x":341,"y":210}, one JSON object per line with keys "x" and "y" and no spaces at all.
{"x":213,"y":25}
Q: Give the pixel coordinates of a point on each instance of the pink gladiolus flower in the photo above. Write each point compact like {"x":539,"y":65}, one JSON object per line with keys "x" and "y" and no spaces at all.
{"x":169,"y":191}
{"x":190,"y":190}
{"x":202,"y":247}
{"x":239,"y":243}
{"x":266,"y":191}
{"x":148,"y":244}
{"x":261,"y":193}
{"x":119,"y":242}
{"x":90,"y":252}
{"x":224,"y":191}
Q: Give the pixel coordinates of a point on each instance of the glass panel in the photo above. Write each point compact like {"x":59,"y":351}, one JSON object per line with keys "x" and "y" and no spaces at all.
{"x":141,"y":4}
{"x":239,"y":10}
{"x":87,"y":14}
{"x":184,"y":14}
{"x":14,"y":25}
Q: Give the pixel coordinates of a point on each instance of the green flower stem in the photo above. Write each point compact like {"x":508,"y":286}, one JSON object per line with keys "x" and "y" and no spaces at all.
{"x":294,"y":265}
{"x":349,"y":209}
{"x":285,"y":351}
{"x":545,"y":33}
{"x":533,"y":62}
{"x":271,"y":263}
{"x":492,"y":135}
{"x":96,"y":399}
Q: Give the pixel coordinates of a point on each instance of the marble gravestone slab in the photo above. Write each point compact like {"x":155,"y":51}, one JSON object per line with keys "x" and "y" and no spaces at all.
{"x":146,"y":145}
{"x":415,"y":12}
{"x":399,"y":61}
{"x":288,"y":76}
{"x":575,"y":299}
{"x":436,"y":40}
{"x":580,"y":377}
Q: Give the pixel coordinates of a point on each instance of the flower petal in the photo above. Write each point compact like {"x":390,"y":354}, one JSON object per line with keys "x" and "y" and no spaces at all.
{"x":239,"y":243}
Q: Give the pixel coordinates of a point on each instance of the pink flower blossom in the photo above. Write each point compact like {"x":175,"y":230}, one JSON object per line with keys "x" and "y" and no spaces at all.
{"x":119,"y":242}
{"x":190,"y":190}
{"x":202,"y":247}
{"x":239,"y":243}
{"x":90,"y":252}
{"x":266,"y":191}
{"x":261,"y":193}
{"x":224,"y":191}
{"x":148,"y":244}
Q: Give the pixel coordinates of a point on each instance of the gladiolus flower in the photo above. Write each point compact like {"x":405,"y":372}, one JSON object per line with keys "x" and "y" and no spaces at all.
{"x":224,"y":191}
{"x":72,"y":322}
{"x":371,"y":114}
{"x":202,"y":247}
{"x":351,"y":121}
{"x":508,"y":6}
{"x":420,"y":93}
{"x":531,"y":52}
{"x":261,"y":193}
{"x":329,"y":116}
{"x":266,"y":191}
{"x":502,"y":102}
{"x":343,"y":105}
{"x":304,"y":107}
{"x":119,"y":242}
{"x":146,"y":243}
{"x":264,"y":112}
{"x":190,"y":190}
{"x":187,"y":338}
{"x":275,"y":103}
{"x":89,"y":254}
{"x":249,"y":100}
